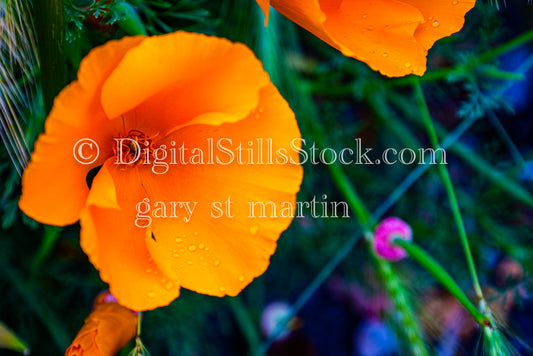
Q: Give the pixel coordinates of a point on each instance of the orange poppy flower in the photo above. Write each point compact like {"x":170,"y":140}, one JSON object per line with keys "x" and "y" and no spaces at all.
{"x":391,"y":36}
{"x":149,"y":233}
{"x":106,"y":330}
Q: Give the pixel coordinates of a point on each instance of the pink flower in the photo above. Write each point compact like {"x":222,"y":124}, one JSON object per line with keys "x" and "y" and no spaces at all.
{"x":386,"y":231}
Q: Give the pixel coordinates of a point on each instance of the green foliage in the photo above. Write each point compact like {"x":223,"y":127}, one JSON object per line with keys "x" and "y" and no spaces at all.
{"x":49,"y":284}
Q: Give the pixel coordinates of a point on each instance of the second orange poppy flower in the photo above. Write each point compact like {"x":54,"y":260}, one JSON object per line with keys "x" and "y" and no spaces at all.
{"x":391,"y":36}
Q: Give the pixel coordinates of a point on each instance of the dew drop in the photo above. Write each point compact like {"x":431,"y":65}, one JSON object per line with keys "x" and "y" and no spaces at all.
{"x":435,"y":23}
{"x":216,"y":263}
{"x":176,"y":255}
{"x":407,"y":64}
{"x":222,"y":289}
{"x":364,"y":16}
{"x":195,"y":234}
{"x":189,"y":262}
{"x":241,"y":278}
{"x":148,"y":270}
{"x":182,"y":250}
{"x":385,"y":54}
{"x":254,"y":229}
{"x":201,"y":246}
{"x":370,"y":28}
{"x":179,"y":240}
{"x":169,"y":286}
{"x":261,"y":110}
{"x":204,"y":264}
{"x":151,"y":294}
{"x":192,"y":248}
{"x":455,"y":2}
{"x":202,"y":258}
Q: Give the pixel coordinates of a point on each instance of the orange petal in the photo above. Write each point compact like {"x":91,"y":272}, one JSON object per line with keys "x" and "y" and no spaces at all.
{"x":205,"y":75}
{"x":116,"y":247}
{"x":54,"y":188}
{"x":379,"y":33}
{"x":391,"y":36}
{"x":306,"y":14}
{"x":265,"y":6}
{"x":441,"y":18}
{"x":106,"y":331}
{"x":220,"y":256}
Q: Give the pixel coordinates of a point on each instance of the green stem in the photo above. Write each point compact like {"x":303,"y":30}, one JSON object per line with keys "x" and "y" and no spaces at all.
{"x":50,"y":31}
{"x":342,"y":182}
{"x":246,"y":324}
{"x":433,"y":267}
{"x":428,"y":123}
{"x":405,"y":314}
{"x":51,"y":234}
{"x":139,"y":322}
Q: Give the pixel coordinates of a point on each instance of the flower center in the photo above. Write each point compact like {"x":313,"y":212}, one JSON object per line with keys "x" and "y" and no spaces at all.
{"x":134,"y":148}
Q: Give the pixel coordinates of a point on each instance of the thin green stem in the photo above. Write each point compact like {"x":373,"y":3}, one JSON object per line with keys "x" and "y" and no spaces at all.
{"x":51,"y":234}
{"x":308,"y":292}
{"x":342,"y":181}
{"x":428,"y":123}
{"x":139,"y":322}
{"x":245,"y":323}
{"x":440,"y":274}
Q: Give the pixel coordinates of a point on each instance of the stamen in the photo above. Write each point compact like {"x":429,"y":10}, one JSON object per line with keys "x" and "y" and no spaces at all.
{"x":136,"y":150}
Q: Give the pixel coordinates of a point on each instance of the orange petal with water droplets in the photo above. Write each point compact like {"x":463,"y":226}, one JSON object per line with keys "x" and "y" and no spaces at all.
{"x":118,"y":248}
{"x":221,"y":255}
{"x":391,"y":36}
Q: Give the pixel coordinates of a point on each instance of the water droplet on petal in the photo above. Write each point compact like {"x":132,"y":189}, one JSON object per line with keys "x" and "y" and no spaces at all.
{"x":148,"y":270}
{"x":241,"y":278}
{"x":254,"y":229}
{"x":216,"y":263}
{"x":169,"y":286}
{"x":370,"y":28}
{"x":364,"y":16}
{"x":179,"y":240}
{"x":385,"y":54}
{"x":455,"y":2}
{"x":195,"y":234}
{"x":151,"y":294}
{"x":407,"y":64}
{"x":222,"y":289}
{"x":189,"y":262}
{"x":192,"y":248}
{"x":176,"y":255}
{"x":201,"y":246}
{"x":435,"y":23}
